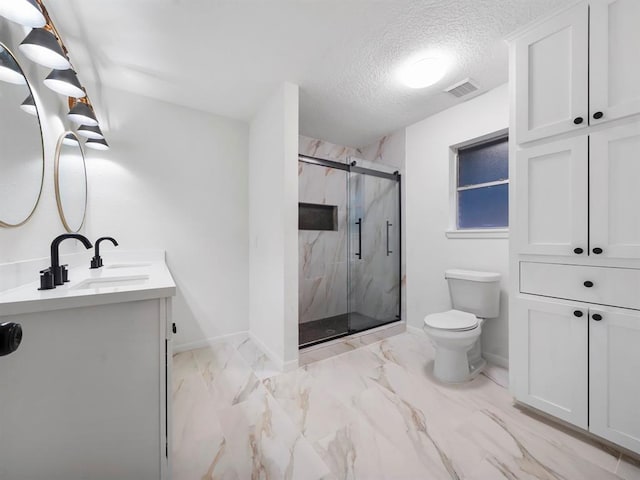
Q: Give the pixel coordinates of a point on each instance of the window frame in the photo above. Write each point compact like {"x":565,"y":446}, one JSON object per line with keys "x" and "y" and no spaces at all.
{"x":453,"y":231}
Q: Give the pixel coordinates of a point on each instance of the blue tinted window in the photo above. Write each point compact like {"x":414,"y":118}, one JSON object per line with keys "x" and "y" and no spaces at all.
{"x":484,"y":163}
{"x":485,"y":207}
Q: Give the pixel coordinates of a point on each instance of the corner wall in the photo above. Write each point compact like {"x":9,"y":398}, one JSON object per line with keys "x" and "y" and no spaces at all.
{"x":429,"y":251}
{"x":273,"y":227}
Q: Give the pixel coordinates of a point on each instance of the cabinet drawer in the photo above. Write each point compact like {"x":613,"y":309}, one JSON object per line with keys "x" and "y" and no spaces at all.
{"x":610,"y":286}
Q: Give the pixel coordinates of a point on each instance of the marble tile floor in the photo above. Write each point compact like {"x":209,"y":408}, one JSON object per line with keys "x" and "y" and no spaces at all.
{"x":375,"y":412}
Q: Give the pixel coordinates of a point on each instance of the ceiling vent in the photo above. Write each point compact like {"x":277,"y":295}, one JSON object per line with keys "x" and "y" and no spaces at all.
{"x":460,"y":89}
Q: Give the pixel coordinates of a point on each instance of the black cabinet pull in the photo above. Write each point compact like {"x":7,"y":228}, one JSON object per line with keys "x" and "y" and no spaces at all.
{"x":174,"y":329}
{"x":577,"y":313}
{"x":588,"y":284}
{"x":597,"y":250}
{"x":597,"y":317}
{"x":578,"y":250}
{"x":578,"y":120}
{"x":598,"y":115}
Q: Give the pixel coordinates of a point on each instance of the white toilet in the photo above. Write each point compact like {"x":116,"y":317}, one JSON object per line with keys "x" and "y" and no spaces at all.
{"x":475,"y":296}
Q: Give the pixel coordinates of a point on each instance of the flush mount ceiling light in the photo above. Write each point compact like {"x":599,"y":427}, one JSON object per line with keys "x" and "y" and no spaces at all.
{"x":29,"y":106}
{"x":81,"y":113}
{"x":424,"y":72}
{"x":92,"y":132}
{"x":97,"y":144}
{"x":24,"y":12}
{"x":64,"y":82}
{"x":42,"y":47}
{"x":9,"y":70}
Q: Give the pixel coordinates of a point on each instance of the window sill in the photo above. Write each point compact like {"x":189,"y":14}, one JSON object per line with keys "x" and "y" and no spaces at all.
{"x":480,"y":233}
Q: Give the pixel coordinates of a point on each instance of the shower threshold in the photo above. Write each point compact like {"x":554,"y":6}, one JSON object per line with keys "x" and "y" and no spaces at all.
{"x":330,"y":328}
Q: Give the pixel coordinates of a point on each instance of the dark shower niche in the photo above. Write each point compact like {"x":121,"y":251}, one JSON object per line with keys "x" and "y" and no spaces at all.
{"x":314,"y":216}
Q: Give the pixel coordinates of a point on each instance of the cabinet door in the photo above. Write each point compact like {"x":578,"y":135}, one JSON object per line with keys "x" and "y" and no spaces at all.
{"x":551,"y":76}
{"x":552,"y":198}
{"x":549,"y":354}
{"x":614,"y":69}
{"x":614,"y":384}
{"x":614,"y":191}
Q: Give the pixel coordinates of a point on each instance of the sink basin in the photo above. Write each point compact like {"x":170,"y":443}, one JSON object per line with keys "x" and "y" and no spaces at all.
{"x":111,"y":282}
{"x":128,"y":265}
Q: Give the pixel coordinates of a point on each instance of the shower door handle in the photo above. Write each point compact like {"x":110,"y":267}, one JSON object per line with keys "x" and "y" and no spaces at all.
{"x":359,"y":252}
{"x":389,"y":252}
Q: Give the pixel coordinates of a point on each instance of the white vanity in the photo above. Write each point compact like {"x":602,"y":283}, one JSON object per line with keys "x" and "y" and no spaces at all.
{"x":85,"y":395}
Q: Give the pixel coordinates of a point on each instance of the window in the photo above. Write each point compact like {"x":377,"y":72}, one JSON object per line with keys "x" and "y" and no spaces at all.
{"x":482,"y":186}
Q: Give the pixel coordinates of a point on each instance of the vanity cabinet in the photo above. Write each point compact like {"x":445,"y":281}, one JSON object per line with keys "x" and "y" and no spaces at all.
{"x":578,"y":68}
{"x":85,"y":394}
{"x":579,"y":196}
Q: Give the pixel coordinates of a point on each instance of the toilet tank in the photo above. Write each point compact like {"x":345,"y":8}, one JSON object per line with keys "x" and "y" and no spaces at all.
{"x":475,"y":292}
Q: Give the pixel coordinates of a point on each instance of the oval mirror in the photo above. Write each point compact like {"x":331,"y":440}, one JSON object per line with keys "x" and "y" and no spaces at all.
{"x":21,"y":147}
{"x":71,"y":182}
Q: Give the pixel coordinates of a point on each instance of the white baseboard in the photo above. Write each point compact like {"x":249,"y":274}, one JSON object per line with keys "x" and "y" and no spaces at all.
{"x":232,"y":338}
{"x":279,"y":362}
{"x":415,"y":330}
{"x":496,"y":360}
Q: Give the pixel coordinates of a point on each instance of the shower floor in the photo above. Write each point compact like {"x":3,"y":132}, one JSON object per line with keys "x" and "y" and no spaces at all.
{"x":317,"y":331}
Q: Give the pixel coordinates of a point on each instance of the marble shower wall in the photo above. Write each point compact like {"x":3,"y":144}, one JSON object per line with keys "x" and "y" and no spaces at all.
{"x":323,"y":256}
{"x":322,"y":261}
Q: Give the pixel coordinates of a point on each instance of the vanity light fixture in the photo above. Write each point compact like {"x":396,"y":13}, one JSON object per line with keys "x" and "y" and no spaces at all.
{"x":70,"y":139}
{"x":24,"y":12}
{"x":81,"y":113}
{"x":97,"y":144}
{"x":64,"y":82}
{"x":9,"y":70}
{"x":29,"y":106}
{"x":42,"y":46}
{"x":92,"y":132}
{"x":424,"y":72}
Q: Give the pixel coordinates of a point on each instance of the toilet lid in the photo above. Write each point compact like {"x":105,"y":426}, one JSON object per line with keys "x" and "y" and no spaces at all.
{"x":451,"y":320}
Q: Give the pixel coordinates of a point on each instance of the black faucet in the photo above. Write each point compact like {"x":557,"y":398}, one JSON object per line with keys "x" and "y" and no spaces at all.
{"x":57,"y":274}
{"x":96,"y":261}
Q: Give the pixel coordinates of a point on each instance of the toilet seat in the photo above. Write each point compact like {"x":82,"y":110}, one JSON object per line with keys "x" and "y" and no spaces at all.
{"x":452,"y":321}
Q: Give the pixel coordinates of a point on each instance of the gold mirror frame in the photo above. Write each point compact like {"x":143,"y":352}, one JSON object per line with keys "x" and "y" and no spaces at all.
{"x":57,"y":182}
{"x":35,"y":205}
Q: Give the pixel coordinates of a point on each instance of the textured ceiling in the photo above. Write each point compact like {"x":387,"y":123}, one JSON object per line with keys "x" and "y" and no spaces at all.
{"x":226,"y":57}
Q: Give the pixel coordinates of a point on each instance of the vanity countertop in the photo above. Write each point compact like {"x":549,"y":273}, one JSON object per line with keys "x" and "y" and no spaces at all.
{"x":121,"y":279}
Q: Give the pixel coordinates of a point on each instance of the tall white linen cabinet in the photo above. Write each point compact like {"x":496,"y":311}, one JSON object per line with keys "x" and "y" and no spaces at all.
{"x":574,"y":313}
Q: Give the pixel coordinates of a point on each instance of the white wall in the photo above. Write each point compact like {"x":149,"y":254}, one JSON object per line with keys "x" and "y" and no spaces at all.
{"x":273,"y":221}
{"x":174,"y":179}
{"x":429,"y":252}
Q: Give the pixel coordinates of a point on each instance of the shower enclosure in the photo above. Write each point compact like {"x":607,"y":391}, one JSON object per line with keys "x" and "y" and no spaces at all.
{"x":349,"y":248}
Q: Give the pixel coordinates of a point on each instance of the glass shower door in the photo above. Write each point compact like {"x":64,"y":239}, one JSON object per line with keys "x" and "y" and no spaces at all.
{"x":374,"y":248}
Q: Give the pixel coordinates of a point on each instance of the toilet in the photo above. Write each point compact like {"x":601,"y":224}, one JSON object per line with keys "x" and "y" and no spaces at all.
{"x":455,"y":334}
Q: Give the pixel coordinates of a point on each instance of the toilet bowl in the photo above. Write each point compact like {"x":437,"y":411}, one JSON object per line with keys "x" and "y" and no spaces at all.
{"x":452,"y":363}
{"x":455,"y":334}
